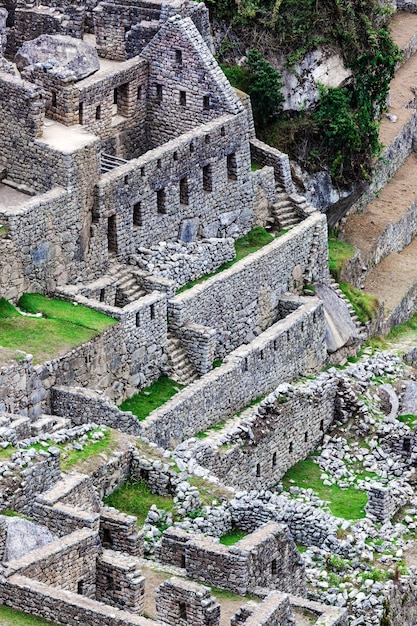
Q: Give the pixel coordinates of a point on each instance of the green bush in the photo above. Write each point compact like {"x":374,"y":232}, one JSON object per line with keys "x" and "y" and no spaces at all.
{"x":264,"y":88}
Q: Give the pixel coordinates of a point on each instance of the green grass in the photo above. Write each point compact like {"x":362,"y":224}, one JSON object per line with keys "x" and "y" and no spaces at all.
{"x":254,"y":240}
{"x":63,"y":326}
{"x":365,"y":305}
{"x":238,"y":76}
{"x":232,"y":537}
{"x":339,"y":253}
{"x":137,"y":499}
{"x":348,"y":503}
{"x":152,"y":397}
{"x":3,"y":231}
{"x":255,"y":166}
{"x":10,"y":617}
{"x":409,"y":419}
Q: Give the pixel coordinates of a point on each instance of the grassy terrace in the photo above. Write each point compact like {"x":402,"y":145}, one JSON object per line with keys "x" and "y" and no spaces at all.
{"x":61,"y":327}
{"x":10,"y":617}
{"x":152,"y":397}
{"x":254,"y":240}
{"x":339,"y":253}
{"x":3,"y":231}
{"x":345,"y":503}
{"x":137,"y":499}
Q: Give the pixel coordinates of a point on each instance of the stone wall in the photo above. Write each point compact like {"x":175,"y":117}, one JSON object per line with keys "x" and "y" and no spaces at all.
{"x":274,"y":609}
{"x":12,"y":280}
{"x":267,"y":558}
{"x":283,"y":429}
{"x":243,"y":301}
{"x":326,"y":615}
{"x":266,"y":155}
{"x":69,"y":563}
{"x":120,"y":582}
{"x":180,"y":602}
{"x":290,"y":348}
{"x":118,"y":531}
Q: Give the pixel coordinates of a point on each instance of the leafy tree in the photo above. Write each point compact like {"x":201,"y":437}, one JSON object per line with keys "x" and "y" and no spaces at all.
{"x":264,"y":88}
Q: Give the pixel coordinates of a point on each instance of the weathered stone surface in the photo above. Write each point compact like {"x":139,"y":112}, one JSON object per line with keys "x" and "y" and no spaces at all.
{"x":66,"y":58}
{"x":340,"y":330}
{"x":22,"y":537}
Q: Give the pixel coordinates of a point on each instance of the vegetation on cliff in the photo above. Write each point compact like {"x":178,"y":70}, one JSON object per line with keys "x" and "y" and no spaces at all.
{"x":341,"y":133}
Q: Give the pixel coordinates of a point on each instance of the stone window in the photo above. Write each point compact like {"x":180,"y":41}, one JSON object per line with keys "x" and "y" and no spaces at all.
{"x":102,"y":295}
{"x":115,"y":96}
{"x":159,"y":164}
{"x":406,"y":444}
{"x":206,"y":103}
{"x":142,"y":171}
{"x":274,"y":567}
{"x":291,"y":447}
{"x":98,"y":112}
{"x":80,"y":587}
{"x":178,"y":57}
{"x":175,"y":156}
{"x":112,"y":234}
{"x":161,"y":201}
{"x":158,"y":92}
{"x":192,"y":147}
{"x":258,"y":470}
{"x":139,"y":92}
{"x":137,"y":214}
{"x":223,"y":131}
{"x":110,"y":583}
{"x":183,"y":611}
{"x":207,"y":178}
{"x":231,"y":166}
{"x":183,"y":98}
{"x":322,"y":425}
{"x":54,"y":99}
{"x":137,"y":320}
{"x":183,"y":561}
{"x":152,"y":311}
{"x":81,"y":113}
{"x":306,"y":436}
{"x":126,"y":180}
{"x":274,"y":459}
{"x":245,"y":364}
{"x":261,"y":355}
{"x":207,"y":138}
{"x":107,"y":538}
{"x":184,"y":190}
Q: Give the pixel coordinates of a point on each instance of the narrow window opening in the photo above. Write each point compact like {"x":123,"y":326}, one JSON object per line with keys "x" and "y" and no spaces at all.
{"x":223,"y":131}
{"x":231,"y":166}
{"x":98,"y":112}
{"x":288,"y":335}
{"x":183,"y":561}
{"x":137,"y":214}
{"x":81,"y":113}
{"x":207,"y":178}
{"x":110,"y":583}
{"x":206,"y":103}
{"x":115,"y":96}
{"x":274,"y":459}
{"x":275,"y":345}
{"x":126,"y":180}
{"x":137,"y":320}
{"x":261,"y":355}
{"x":183,"y":611}
{"x":160,"y":201}
{"x":102,"y":295}
{"x":175,"y":156}
{"x":142,"y":171}
{"x":406,"y":444}
{"x":322,"y":425}
{"x":207,"y":138}
{"x":183,"y":98}
{"x":54,"y":99}
{"x":80,"y":587}
{"x":192,"y":147}
{"x":274,"y":567}
{"x":159,"y":164}
{"x":258,"y":470}
{"x":184,"y":190}
{"x":306,"y":436}
{"x":158,"y":92}
{"x":291,"y":447}
{"x":107,"y":538}
{"x":112,"y":234}
{"x":144,"y":474}
{"x":152,"y":311}
{"x":139,"y":92}
{"x":178,"y":57}
{"x":245,"y":364}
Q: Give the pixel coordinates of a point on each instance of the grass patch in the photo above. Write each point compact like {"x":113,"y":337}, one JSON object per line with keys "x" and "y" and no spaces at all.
{"x":3,"y":231}
{"x":254,"y":240}
{"x":232,"y":537}
{"x":90,"y":450}
{"x":224,"y":594}
{"x":217,"y":363}
{"x":365,"y":305}
{"x":409,"y":419}
{"x":137,"y":499}
{"x":348,"y":503}
{"x":10,"y":617}
{"x":208,"y":491}
{"x":238,"y":76}
{"x":255,"y":166}
{"x":152,"y":397}
{"x":339,"y":253}
{"x":63,"y":326}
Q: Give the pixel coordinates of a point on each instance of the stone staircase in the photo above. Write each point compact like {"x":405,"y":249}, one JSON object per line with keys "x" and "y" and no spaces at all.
{"x":361,"y":328}
{"x":129,"y":288}
{"x":179,"y":367}
{"x":283,"y":212}
{"x":48,"y":424}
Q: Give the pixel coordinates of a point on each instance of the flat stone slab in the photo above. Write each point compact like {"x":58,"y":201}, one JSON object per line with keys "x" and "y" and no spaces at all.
{"x":340,"y":330}
{"x":63,"y":57}
{"x":409,"y":399}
